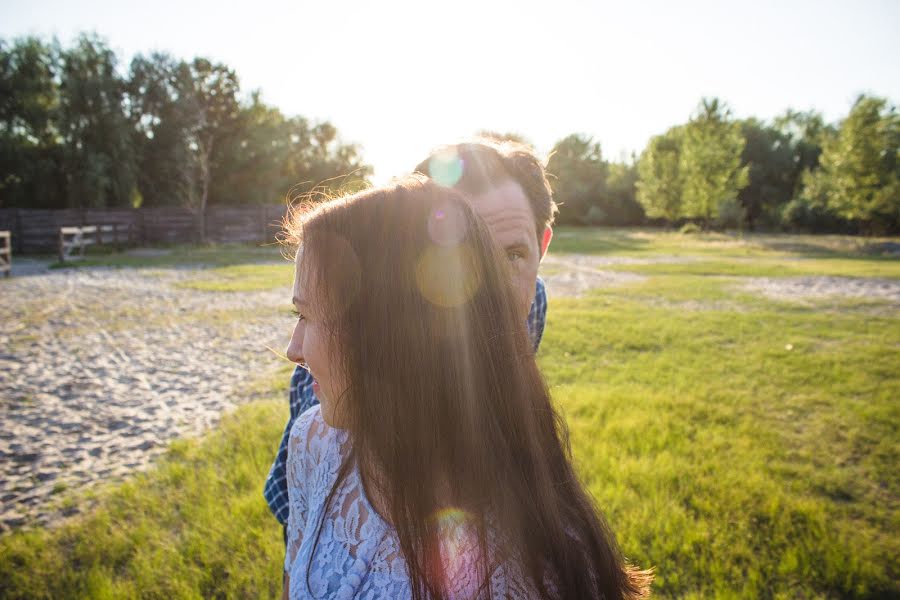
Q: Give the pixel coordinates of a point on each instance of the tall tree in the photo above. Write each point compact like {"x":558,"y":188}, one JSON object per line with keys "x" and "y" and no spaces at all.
{"x":806,"y":132}
{"x":660,"y":182}
{"x":711,"y":161}
{"x":98,"y":156}
{"x":159,"y":125}
{"x":769,"y":158}
{"x":578,"y":176}
{"x":859,"y":177}
{"x":209,"y":108}
{"x":30,"y":150}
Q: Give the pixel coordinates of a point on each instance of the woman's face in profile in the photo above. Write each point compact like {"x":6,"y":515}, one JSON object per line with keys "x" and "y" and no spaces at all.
{"x":310,"y":346}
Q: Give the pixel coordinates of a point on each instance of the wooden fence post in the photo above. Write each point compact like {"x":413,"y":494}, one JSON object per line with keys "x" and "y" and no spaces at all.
{"x":17,"y":232}
{"x":5,"y":254}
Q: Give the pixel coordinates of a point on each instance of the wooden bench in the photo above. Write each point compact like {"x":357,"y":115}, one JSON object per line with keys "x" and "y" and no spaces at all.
{"x":5,"y":254}
{"x":73,"y":240}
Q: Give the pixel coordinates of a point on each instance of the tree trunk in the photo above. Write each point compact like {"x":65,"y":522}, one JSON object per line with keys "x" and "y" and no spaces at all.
{"x":204,"y":186}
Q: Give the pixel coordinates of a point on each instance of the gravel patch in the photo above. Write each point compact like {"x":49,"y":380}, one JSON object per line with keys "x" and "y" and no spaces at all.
{"x":574,"y":274}
{"x":802,"y":288}
{"x":100,"y":368}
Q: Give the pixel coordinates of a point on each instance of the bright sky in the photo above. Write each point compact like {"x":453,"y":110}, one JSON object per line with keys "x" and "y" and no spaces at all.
{"x":401,"y":77}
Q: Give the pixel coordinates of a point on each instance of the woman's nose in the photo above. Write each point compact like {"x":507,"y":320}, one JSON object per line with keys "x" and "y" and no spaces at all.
{"x":295,"y":346}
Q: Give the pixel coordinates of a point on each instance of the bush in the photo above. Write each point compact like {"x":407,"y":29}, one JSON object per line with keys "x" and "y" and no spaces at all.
{"x":690,"y":229}
{"x":731,"y":215}
{"x":801,"y":214}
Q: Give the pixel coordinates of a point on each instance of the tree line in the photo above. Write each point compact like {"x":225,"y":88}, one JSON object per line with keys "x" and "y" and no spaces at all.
{"x":78,"y":132}
{"x":796,"y":172}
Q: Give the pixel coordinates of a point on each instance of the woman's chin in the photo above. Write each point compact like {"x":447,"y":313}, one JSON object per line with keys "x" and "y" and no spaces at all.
{"x":329,"y":417}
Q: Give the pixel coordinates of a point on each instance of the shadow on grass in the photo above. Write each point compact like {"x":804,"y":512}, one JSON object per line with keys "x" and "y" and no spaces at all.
{"x":829,"y":246}
{"x":598,"y":240}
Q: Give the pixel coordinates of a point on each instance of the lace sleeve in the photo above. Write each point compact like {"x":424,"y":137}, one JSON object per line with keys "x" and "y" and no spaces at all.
{"x":298,"y":470}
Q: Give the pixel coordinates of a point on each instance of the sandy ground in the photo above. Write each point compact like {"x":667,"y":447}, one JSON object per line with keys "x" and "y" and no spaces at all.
{"x":802,"y":288}
{"x":85,"y":399}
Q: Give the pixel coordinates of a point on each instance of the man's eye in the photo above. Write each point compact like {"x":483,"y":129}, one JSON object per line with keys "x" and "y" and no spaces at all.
{"x":299,"y":315}
{"x":514,"y":255}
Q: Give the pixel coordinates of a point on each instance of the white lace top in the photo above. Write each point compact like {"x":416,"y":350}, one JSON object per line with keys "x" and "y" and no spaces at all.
{"x":358,"y":554}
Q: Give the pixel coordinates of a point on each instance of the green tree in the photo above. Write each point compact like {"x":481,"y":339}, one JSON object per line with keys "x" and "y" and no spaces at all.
{"x":271,"y":155}
{"x":769,"y":158}
{"x":660,"y":183}
{"x":159,"y":130}
{"x":98,"y":153}
{"x":209,"y":109}
{"x":807,"y":209}
{"x":859,"y":174}
{"x":806,"y":133}
{"x":578,"y":177}
{"x":30,"y":151}
{"x":711,"y":162}
{"x":619,"y":203}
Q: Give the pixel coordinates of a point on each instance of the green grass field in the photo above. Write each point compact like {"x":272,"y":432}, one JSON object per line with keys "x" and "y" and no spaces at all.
{"x":742,"y":447}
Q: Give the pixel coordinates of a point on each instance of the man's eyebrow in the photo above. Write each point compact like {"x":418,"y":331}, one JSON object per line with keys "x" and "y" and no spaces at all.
{"x":517,"y":245}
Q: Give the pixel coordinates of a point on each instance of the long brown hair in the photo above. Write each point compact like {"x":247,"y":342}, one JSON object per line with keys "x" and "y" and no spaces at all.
{"x":445,"y":404}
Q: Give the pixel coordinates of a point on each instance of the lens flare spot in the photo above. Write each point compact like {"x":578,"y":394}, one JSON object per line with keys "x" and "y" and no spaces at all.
{"x":446,"y":168}
{"x":447,"y":275}
{"x":459,"y":550}
{"x":447,"y":225}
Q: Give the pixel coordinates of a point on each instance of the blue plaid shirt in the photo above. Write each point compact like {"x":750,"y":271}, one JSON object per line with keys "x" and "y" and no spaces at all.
{"x":302,"y":398}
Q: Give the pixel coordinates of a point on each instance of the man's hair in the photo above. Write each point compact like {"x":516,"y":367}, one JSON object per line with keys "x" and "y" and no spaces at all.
{"x":483,"y":164}
{"x":444,"y":393}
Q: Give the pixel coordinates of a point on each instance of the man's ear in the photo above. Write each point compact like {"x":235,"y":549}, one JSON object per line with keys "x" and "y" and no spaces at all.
{"x":545,"y":240}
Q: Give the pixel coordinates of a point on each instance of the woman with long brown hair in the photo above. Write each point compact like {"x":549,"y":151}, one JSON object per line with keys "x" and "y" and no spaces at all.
{"x":436,"y":466}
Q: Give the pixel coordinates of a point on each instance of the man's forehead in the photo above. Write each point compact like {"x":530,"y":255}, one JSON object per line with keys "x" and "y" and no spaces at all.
{"x":506,"y":210}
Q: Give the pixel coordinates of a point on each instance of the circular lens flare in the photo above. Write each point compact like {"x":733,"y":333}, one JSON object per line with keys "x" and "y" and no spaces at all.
{"x":446,"y":167}
{"x":447,"y":275}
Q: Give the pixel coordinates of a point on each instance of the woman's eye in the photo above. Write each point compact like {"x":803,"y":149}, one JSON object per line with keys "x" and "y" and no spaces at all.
{"x":514,"y":255}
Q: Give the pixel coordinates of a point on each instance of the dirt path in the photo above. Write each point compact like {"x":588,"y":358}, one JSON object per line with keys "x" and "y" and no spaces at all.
{"x":802,"y":288}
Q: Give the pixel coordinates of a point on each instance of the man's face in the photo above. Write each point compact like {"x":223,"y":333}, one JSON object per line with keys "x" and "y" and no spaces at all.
{"x":510,"y":219}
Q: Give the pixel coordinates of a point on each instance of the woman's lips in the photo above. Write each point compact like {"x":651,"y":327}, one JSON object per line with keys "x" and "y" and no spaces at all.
{"x":316,"y":386}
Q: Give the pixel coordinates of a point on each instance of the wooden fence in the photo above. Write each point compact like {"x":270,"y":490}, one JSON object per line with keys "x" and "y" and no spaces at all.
{"x":37,"y":231}
{"x":5,"y":254}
